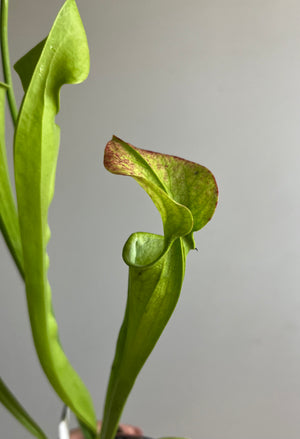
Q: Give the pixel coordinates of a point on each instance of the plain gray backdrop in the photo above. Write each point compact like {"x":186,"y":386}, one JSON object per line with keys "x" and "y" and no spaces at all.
{"x":217,"y":82}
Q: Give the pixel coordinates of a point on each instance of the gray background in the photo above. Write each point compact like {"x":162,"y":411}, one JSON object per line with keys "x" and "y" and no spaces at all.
{"x":218,"y":82}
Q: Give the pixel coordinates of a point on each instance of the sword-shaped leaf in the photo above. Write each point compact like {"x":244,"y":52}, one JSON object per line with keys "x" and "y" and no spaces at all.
{"x":62,"y":58}
{"x":185,"y":194}
{"x":9,"y":223}
{"x":16,"y":409}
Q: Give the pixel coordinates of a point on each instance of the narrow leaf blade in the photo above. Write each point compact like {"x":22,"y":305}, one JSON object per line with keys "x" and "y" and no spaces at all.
{"x":64,"y":59}
{"x":9,"y":401}
{"x":9,"y":223}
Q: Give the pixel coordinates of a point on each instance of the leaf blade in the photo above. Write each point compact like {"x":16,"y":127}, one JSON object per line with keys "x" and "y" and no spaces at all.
{"x":9,"y":401}
{"x":64,"y":58}
{"x":9,"y":223}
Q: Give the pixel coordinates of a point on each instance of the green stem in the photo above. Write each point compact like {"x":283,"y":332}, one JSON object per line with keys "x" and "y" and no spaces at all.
{"x":6,"y":62}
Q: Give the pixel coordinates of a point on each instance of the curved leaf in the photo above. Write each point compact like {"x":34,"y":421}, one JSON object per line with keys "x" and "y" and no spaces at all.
{"x":9,"y":223}
{"x":64,"y":59}
{"x":26,"y":65}
{"x":12,"y":404}
{"x":185,"y":194}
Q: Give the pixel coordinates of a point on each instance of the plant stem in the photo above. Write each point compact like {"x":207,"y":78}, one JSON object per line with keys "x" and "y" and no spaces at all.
{"x":6,"y":62}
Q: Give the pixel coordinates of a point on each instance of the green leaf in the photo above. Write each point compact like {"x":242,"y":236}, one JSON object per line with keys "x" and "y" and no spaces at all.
{"x":86,"y":432}
{"x":12,"y":404}
{"x":64,"y":59}
{"x":26,"y":65}
{"x":9,"y":223}
{"x":185,"y":194}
